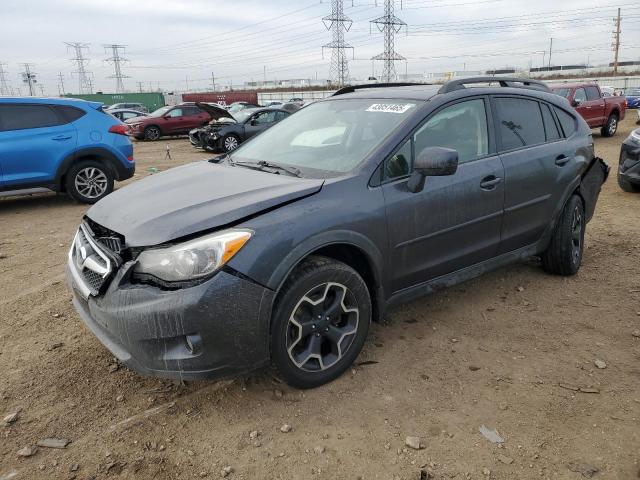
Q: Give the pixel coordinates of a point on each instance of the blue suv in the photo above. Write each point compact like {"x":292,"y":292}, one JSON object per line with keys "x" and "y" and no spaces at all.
{"x":62,"y":145}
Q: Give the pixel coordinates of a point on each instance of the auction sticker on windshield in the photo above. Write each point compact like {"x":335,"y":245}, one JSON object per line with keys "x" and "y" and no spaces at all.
{"x":390,"y":107}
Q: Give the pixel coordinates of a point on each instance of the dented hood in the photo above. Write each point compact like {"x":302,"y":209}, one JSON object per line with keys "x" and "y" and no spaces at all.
{"x":193,"y":198}
{"x":215,"y":112}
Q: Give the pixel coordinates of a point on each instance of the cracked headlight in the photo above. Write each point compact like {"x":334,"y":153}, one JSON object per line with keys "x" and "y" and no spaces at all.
{"x":194,"y":259}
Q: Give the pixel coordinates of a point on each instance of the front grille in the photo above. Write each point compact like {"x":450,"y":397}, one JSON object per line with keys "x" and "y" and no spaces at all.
{"x":94,"y":280}
{"x":92,"y":262}
{"x":112,"y":243}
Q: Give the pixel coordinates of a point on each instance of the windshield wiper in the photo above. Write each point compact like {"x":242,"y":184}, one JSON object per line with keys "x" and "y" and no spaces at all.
{"x":263,"y":164}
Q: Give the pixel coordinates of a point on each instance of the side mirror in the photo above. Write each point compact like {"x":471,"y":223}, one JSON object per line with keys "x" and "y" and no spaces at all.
{"x":432,"y":162}
{"x":576,"y":102}
{"x":254,"y":122}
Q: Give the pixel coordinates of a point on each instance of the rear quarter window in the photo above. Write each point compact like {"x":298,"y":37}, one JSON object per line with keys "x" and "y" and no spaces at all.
{"x":567,"y":122}
{"x":69,"y":114}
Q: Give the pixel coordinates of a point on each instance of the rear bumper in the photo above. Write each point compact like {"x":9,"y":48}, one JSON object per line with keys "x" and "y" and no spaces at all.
{"x":212,"y":330}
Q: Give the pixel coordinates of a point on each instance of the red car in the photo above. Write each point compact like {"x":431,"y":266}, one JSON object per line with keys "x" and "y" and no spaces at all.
{"x":597,"y":110}
{"x":170,"y":120}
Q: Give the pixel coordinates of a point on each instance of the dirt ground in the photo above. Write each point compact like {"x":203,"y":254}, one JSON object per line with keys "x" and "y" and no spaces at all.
{"x":509,"y":350}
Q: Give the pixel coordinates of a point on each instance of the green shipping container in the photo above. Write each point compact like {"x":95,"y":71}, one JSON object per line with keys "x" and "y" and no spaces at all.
{"x":152,"y":101}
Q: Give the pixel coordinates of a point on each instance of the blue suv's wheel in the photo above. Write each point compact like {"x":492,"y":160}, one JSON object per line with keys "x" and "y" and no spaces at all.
{"x":89,"y":181}
{"x":320,"y":322}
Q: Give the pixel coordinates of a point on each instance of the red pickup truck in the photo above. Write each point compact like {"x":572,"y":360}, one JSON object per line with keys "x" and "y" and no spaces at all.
{"x":596,"y":109}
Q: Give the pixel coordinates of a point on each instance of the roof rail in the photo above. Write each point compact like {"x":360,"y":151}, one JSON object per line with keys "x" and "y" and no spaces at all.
{"x":454,"y":85}
{"x":353,"y":88}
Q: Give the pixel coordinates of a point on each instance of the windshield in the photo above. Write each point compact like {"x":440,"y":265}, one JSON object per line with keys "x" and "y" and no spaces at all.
{"x":160,"y":112}
{"x":330,"y":136}
{"x":242,"y":115}
{"x":236,"y":108}
{"x":563,"y":92}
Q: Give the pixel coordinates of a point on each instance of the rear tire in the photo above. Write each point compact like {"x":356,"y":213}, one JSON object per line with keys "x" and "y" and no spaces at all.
{"x":564,"y":253}
{"x":152,"y":133}
{"x":320,"y":322}
{"x":627,"y":186}
{"x":89,"y":181}
{"x":610,"y":128}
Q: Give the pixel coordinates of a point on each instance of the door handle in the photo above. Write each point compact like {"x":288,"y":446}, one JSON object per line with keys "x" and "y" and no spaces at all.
{"x":490,"y":182}
{"x":61,"y":137}
{"x":562,"y":160}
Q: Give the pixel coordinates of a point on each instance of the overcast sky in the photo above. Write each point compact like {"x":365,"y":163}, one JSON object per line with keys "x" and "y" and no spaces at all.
{"x":176,"y":44}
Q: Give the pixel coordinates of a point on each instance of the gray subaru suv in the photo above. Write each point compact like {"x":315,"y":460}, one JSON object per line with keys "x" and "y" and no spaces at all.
{"x":287,"y":249}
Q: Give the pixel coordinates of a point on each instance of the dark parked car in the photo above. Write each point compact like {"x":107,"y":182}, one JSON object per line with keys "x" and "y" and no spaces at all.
{"x":629,"y":166}
{"x":124,"y":115}
{"x":176,"y":120}
{"x":226,"y":131}
{"x":286,"y":249}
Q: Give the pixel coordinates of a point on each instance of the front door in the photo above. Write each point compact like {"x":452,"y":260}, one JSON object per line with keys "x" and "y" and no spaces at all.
{"x":455,"y":221}
{"x":586,"y":108}
{"x":173,"y":121}
{"x":259,"y":123}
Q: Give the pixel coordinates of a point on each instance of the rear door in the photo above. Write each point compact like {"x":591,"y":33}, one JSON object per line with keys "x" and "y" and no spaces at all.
{"x":455,"y":221}
{"x":534,"y":155}
{"x":34,"y":139}
{"x":595,"y":106}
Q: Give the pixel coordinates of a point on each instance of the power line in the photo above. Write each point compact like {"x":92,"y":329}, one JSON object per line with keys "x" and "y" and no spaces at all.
{"x":84,"y":85}
{"x":389,"y":24}
{"x":116,"y":59}
{"x":338,"y":23}
{"x":616,"y":43}
{"x":4,"y":85}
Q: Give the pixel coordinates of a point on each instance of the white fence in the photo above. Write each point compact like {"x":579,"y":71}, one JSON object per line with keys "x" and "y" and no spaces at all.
{"x":307,"y":96}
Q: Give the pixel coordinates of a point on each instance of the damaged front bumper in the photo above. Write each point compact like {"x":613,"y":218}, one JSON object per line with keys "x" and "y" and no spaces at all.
{"x":211,"y":330}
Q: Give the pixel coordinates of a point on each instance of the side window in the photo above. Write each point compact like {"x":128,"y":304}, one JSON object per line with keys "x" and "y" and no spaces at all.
{"x":69,"y":114}
{"x":128,"y":115}
{"x":580,"y":95}
{"x":176,"y":112}
{"x":567,"y":122}
{"x":264,"y":117}
{"x":20,"y":117}
{"x":462,"y":127}
{"x":592,"y":93}
{"x":399,"y":163}
{"x":519,"y":123}
{"x":281,"y":116}
{"x":192,"y":111}
{"x":550,"y":127}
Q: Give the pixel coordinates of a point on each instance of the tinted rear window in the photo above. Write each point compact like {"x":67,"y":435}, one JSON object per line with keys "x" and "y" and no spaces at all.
{"x":69,"y":114}
{"x":20,"y":117}
{"x":519,"y":123}
{"x":567,"y":122}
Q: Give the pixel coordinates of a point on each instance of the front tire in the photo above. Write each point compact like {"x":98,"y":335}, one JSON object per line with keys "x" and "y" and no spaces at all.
{"x":230,"y":142}
{"x":152,"y":133}
{"x":564,"y":253}
{"x":610,"y":128}
{"x":320,"y":322}
{"x":89,"y":181}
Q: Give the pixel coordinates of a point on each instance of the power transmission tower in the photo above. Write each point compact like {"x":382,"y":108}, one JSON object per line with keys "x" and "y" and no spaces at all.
{"x":338,"y":23}
{"x":389,"y":24}
{"x":616,"y":42}
{"x":4,"y":84}
{"x":116,"y":59}
{"x":84,"y":83}
{"x":61,"y":91}
{"x":29,"y":77}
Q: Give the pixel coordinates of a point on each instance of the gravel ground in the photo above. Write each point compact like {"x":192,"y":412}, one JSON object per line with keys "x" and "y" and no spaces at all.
{"x":515,"y":351}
